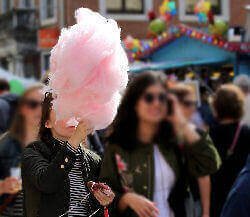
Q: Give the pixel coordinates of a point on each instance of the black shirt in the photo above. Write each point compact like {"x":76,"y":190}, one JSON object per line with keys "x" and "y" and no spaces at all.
{"x":222,"y":181}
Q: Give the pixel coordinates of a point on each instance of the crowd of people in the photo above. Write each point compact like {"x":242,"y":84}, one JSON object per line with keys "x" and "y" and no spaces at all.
{"x":157,"y":160}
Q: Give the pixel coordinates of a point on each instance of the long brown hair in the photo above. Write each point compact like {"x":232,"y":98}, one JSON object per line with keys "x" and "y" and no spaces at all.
{"x":44,"y":132}
{"x":123,"y":129}
{"x":17,"y":129}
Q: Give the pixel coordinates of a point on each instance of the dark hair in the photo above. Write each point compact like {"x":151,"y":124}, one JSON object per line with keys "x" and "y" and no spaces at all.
{"x":17,"y":129}
{"x":181,"y":91}
{"x":4,"y":85}
{"x":228,"y":102}
{"x":45,"y":78}
{"x":124,"y":128}
{"x":44,"y":132}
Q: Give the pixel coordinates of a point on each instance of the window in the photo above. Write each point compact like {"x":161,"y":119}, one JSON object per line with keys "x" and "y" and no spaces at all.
{"x":26,"y":3}
{"x":125,"y":9}
{"x":219,"y":7}
{"x":45,"y":63}
{"x":125,"y":6}
{"x":6,"y":5}
{"x":48,"y":11}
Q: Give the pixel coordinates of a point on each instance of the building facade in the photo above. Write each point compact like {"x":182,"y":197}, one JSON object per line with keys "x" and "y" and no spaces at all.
{"x":26,"y":51}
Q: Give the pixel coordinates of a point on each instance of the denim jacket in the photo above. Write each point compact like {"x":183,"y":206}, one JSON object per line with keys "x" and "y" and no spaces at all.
{"x":237,"y":203}
{"x":10,"y":156}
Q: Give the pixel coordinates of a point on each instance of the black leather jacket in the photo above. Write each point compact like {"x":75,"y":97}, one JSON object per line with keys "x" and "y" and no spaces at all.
{"x":46,"y":183}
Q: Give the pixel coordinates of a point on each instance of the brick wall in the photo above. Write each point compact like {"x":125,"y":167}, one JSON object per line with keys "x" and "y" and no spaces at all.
{"x":139,"y":28}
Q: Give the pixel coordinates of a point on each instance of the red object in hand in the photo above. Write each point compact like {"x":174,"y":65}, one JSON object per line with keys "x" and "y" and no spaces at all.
{"x":106,"y":212}
{"x":97,"y":186}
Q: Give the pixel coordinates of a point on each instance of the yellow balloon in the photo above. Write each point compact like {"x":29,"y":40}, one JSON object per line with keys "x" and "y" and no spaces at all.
{"x":136,"y":42}
{"x":206,"y":6}
{"x":163,"y":7}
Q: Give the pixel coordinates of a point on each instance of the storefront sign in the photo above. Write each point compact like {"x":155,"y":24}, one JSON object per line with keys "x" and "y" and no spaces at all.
{"x":47,"y":38}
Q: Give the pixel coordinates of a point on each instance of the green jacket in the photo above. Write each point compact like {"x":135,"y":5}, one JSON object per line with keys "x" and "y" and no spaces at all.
{"x":133,"y":171}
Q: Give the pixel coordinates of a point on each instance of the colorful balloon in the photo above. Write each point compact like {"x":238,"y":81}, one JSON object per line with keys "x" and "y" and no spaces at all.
{"x":157,"y":26}
{"x":219,"y":28}
{"x":202,"y":9}
{"x":168,"y":9}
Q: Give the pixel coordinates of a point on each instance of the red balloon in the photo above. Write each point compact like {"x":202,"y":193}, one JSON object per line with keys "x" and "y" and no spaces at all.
{"x":199,"y":35}
{"x":168,"y":17}
{"x":221,"y":43}
{"x":155,"y":40}
{"x":151,"y":15}
{"x":211,"y":17}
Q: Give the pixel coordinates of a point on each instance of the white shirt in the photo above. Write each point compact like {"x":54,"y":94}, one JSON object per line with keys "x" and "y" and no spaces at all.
{"x":164,"y":182}
{"x":246,"y":118}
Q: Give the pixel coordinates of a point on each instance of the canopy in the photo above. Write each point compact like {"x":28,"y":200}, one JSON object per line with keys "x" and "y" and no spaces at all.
{"x":137,"y":67}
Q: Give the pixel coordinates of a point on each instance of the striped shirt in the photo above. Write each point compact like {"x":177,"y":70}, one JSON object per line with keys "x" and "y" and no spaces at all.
{"x":78,"y":189}
{"x":15,"y":208}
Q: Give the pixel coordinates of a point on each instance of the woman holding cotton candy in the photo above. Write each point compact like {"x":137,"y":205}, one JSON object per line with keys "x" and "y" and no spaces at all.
{"x":88,"y":72}
{"x":57,"y":169}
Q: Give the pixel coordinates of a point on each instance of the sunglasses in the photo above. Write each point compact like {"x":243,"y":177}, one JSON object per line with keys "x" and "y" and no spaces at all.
{"x":150,"y":97}
{"x":189,"y":103}
{"x":32,"y":104}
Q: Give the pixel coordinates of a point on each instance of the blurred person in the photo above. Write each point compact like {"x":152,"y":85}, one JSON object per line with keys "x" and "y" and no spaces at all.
{"x":231,"y":139}
{"x":205,"y":109}
{"x":243,"y":82}
{"x":8,"y":104}
{"x":143,"y":161}
{"x":57,"y":168}
{"x":237,"y":203}
{"x":188,"y":104}
{"x":24,"y":129}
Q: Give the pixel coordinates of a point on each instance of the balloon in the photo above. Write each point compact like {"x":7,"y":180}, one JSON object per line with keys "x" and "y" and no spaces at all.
{"x":211,"y":17}
{"x":218,"y":29}
{"x":171,"y":5}
{"x":157,"y":26}
{"x":16,"y":86}
{"x":206,"y":6}
{"x":163,"y":7}
{"x":202,"y":9}
{"x":188,"y":32}
{"x":174,"y":12}
{"x":168,"y":9}
{"x":151,"y":15}
{"x":199,"y":17}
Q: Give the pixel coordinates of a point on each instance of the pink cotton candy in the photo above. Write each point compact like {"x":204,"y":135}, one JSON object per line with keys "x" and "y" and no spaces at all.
{"x":88,"y":70}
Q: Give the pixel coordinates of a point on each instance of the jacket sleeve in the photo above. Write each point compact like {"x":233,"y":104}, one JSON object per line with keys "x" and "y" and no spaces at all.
{"x":237,"y":205}
{"x":46,"y":175}
{"x":110,"y":176}
{"x":4,"y":114}
{"x":202,"y":157}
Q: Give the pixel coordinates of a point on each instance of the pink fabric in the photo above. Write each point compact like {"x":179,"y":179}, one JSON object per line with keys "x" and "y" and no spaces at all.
{"x":88,"y":70}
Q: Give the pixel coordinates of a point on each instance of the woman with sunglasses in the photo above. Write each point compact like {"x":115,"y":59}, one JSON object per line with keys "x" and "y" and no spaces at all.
{"x":188,"y":104}
{"x":56,"y":170}
{"x":23,"y":131}
{"x":143,"y":159}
